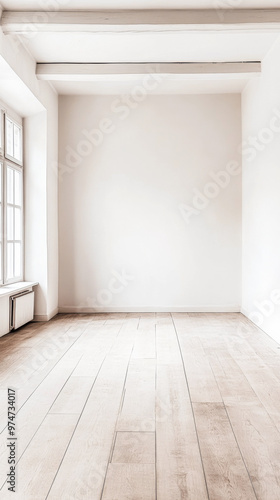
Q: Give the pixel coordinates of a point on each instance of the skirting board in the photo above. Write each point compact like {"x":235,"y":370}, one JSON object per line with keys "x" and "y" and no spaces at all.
{"x":46,"y":317}
{"x":141,"y":309}
{"x":270,"y":334}
{"x":246,"y":314}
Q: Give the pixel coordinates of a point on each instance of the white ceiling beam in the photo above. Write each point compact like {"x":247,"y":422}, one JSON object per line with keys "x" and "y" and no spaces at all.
{"x":124,"y":21}
{"x":97,"y":71}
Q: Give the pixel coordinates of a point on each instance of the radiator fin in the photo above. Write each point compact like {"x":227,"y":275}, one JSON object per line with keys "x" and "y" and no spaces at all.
{"x":22,"y":309}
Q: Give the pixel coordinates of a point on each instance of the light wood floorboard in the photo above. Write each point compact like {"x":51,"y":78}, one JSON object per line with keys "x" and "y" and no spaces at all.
{"x":134,"y":448}
{"x":152,"y":406}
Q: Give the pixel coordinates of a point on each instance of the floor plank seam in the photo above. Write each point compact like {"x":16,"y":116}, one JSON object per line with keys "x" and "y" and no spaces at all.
{"x":241,"y":454}
{"x":58,"y":361}
{"x":198,"y":442}
{"x":258,"y":398}
{"x":76,"y":426}
{"x":112,"y":450}
{"x":122,"y":401}
{"x":33,"y":436}
{"x":115,"y":428}
{"x":65,"y":383}
{"x":235,"y":437}
{"x":211,"y":393}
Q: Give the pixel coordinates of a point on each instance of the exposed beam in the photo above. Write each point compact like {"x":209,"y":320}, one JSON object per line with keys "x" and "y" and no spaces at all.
{"x":141,"y":20}
{"x":97,"y":71}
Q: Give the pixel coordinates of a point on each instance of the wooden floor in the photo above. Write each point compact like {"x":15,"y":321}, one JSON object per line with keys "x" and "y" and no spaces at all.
{"x":143,"y":407}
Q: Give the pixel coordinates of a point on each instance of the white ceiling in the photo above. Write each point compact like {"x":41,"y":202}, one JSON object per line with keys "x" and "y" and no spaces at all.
{"x":149,"y":47}
{"x":139,"y":4}
{"x":168,"y":86}
{"x":198,"y":46}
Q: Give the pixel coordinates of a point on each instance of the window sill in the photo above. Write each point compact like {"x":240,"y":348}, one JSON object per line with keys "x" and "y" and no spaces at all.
{"x":16,"y":288}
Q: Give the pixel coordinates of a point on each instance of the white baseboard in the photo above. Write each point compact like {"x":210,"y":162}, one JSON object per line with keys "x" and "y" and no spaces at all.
{"x":46,"y":317}
{"x":269,"y":334}
{"x":40,"y":317}
{"x":245,"y":312}
{"x":141,"y":309}
{"x":53,"y":313}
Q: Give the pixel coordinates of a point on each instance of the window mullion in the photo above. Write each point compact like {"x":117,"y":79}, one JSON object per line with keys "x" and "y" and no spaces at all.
{"x":2,"y":222}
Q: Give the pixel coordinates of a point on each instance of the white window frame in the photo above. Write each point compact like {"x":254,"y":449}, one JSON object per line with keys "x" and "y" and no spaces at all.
{"x":2,"y":145}
{"x":8,"y":161}
{"x":16,"y":279}
{"x":1,"y":133}
{"x":7,"y":156}
{"x":2,"y":219}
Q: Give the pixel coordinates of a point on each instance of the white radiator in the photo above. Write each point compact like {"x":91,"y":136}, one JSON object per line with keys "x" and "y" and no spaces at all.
{"x":22,"y":309}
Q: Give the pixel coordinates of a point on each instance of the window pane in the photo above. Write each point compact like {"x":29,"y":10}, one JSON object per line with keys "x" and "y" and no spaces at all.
{"x":10,"y":223}
{"x":17,"y":188}
{"x":1,"y":169}
{"x":1,"y":129}
{"x":1,"y":226}
{"x":17,"y":143}
{"x":1,"y":271}
{"x":9,"y":137}
{"x":11,"y":201}
{"x":17,"y":259}
{"x":13,"y":140}
{"x":17,"y":224}
{"x":10,"y":261}
{"x":10,"y":185}
{"x":13,"y":224}
{"x":1,"y":173}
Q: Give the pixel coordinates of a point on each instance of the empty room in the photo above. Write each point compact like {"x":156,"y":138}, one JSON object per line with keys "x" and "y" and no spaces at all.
{"x":140,"y":249}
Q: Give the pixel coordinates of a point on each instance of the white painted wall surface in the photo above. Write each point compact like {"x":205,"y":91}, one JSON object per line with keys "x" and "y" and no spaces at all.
{"x":261,"y":197}
{"x":124,"y":243}
{"x":35,"y":197}
{"x":40,"y":104}
{"x":41,"y":216}
{"x":11,"y":112}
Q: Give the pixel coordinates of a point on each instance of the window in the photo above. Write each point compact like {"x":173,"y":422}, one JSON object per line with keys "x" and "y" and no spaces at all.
{"x":1,"y":133}
{"x":13,"y":223}
{"x":13,"y":141}
{"x":11,"y":203}
{"x":1,"y":223}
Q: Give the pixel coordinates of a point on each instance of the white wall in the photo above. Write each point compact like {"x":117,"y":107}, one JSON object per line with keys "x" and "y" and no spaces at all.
{"x":11,"y":112}
{"x":120,"y":204}
{"x":261,"y":196}
{"x":41,"y":209}
{"x":35,"y":138}
{"x":37,"y":102}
